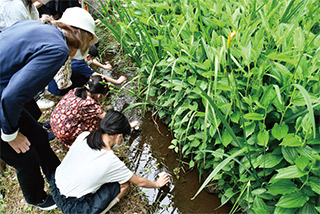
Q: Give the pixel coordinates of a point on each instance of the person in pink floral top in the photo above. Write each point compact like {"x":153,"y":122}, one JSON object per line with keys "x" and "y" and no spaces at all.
{"x":79,"y":111}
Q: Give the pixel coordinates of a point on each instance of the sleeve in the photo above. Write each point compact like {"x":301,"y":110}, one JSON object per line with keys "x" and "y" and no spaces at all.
{"x":119,"y":172}
{"x":25,"y":84}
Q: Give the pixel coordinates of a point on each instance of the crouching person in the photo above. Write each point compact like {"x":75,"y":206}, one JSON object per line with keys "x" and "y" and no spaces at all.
{"x":91,"y":178}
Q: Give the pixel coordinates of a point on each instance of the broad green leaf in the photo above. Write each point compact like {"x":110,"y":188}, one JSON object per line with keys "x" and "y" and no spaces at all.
{"x":307,"y":99}
{"x":226,"y":138}
{"x":291,"y":140}
{"x":279,"y":131}
{"x":235,"y":116}
{"x":195,"y":143}
{"x":310,"y":153}
{"x":250,"y":129}
{"x":314,"y":183}
{"x":292,"y":200}
{"x":313,"y":141}
{"x":284,"y":57}
{"x":269,"y":160}
{"x":308,"y":208}
{"x":259,"y":207}
{"x":263,"y":138}
{"x":253,"y":116}
{"x":171,"y":147}
{"x":280,"y":210}
{"x":290,"y":172}
{"x":276,"y":87}
{"x":301,"y":162}
{"x":289,"y":153}
{"x":283,"y":187}
{"x":191,"y":164}
{"x":192,"y":79}
{"x":258,"y":191}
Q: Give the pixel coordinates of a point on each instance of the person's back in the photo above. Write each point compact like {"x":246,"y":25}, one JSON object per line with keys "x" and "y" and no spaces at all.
{"x":107,"y":169}
{"x":21,"y":42}
{"x":78,"y":111}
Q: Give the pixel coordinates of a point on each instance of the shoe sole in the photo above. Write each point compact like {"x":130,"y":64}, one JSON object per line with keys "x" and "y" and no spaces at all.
{"x":47,"y":208}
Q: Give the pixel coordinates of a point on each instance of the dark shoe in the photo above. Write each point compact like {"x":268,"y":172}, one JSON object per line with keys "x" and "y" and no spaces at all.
{"x":51,"y":136}
{"x":47,"y":204}
{"x":46,"y":125}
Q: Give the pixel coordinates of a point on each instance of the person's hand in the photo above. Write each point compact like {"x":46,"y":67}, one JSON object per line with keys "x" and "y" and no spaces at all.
{"x":134,"y":124}
{"x":162,"y":180}
{"x":121,"y":79}
{"x":20,"y":144}
{"x":108,"y":66}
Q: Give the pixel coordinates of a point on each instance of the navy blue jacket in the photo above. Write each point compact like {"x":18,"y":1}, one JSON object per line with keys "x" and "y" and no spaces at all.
{"x":81,"y":73}
{"x":31,"y":53}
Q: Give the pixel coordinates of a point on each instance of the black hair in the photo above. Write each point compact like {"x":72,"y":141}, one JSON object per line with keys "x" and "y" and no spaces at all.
{"x":28,"y":3}
{"x":113,"y":123}
{"x":95,"y":85}
{"x":93,"y":51}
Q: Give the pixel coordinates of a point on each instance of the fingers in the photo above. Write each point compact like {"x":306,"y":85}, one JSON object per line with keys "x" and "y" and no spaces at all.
{"x":163,"y":179}
{"x":24,"y":148}
{"x":21,"y":144}
{"x":134,"y":124}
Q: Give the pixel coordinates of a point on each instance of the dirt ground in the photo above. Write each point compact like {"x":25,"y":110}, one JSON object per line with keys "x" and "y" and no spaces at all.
{"x":11,"y":198}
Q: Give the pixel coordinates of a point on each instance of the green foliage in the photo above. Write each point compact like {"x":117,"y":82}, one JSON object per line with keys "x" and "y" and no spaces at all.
{"x":256,"y":91}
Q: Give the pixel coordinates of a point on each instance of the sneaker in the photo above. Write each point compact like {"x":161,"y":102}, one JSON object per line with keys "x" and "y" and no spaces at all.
{"x":46,"y":92}
{"x":47,"y":204}
{"x":51,"y":136}
{"x":44,"y":103}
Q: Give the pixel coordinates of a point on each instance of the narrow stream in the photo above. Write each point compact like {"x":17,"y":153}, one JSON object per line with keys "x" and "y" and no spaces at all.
{"x":149,"y":155}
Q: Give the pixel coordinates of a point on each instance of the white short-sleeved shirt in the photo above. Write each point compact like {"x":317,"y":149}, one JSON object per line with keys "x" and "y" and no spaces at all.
{"x":84,"y":170}
{"x":12,"y":11}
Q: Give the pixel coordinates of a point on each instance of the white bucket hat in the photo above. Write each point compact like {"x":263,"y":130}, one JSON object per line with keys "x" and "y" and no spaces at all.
{"x":80,"y":18}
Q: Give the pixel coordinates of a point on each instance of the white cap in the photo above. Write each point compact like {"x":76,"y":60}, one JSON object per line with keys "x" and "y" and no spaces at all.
{"x":80,"y":18}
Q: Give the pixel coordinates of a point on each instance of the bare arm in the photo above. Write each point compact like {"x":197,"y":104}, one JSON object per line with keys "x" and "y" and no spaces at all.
{"x":143,"y":182}
{"x":98,"y":64}
{"x":101,"y":116}
{"x":37,"y":4}
{"x":109,"y":79}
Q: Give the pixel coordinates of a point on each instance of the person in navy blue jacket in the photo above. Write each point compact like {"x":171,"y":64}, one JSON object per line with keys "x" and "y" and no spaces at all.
{"x":31,"y":53}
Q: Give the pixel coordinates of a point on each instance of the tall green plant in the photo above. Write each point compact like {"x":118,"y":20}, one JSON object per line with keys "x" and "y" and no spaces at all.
{"x":257,"y":93}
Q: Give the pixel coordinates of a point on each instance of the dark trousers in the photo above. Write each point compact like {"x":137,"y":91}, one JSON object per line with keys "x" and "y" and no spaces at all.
{"x":33,"y":109}
{"x":91,"y":203}
{"x":28,"y":164}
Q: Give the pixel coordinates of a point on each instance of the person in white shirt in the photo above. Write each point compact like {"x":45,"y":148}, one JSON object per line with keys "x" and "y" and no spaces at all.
{"x":12,"y":11}
{"x":91,"y":178}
